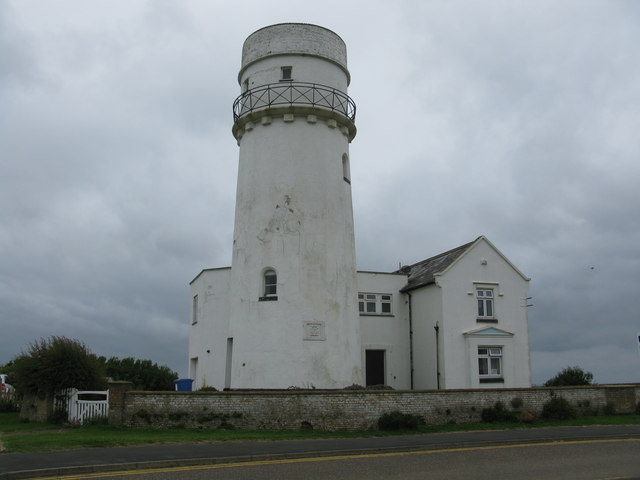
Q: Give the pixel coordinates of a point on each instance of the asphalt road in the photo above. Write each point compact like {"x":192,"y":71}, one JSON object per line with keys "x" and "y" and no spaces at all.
{"x":80,"y":462}
{"x":589,"y":459}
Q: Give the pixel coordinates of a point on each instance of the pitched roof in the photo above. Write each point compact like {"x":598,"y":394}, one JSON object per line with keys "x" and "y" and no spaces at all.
{"x":423,"y":273}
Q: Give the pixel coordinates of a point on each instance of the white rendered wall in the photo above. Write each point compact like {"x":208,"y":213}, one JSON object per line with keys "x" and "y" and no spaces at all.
{"x":306,"y":69}
{"x":294,"y":39}
{"x":426,"y":310}
{"x":208,"y":336}
{"x":294,"y":215}
{"x":388,"y":333}
{"x":460,"y":366}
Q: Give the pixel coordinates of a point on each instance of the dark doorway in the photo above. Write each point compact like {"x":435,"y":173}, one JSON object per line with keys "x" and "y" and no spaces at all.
{"x":374,"y":367}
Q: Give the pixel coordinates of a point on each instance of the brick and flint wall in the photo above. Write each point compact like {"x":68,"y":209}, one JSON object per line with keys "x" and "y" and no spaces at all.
{"x":350,"y":409}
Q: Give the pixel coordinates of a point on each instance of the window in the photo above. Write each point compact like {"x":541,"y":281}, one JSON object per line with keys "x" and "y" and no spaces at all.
{"x":485,"y":303}
{"x":269,"y":285}
{"x":346,"y":171}
{"x":194,"y":310}
{"x":193,"y":367}
{"x":286,"y":74}
{"x":375,"y":304}
{"x":245,"y":85}
{"x":490,"y":363}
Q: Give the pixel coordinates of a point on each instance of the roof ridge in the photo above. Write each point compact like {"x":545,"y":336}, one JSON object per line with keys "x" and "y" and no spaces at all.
{"x":423,"y":272}
{"x":464,"y":246}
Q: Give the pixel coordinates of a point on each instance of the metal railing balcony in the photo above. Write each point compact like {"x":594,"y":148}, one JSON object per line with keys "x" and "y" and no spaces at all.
{"x":294,"y":93}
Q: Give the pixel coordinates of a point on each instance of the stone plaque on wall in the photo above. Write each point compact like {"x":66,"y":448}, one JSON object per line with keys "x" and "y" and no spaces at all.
{"x":314,"y":331}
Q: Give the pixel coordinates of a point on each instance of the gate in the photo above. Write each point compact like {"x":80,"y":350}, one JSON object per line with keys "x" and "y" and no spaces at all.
{"x":84,"y":405}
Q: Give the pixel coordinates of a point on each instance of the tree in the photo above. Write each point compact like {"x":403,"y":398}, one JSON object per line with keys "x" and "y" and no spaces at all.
{"x":570,"y":376}
{"x":55,"y":364}
{"x":144,"y":374}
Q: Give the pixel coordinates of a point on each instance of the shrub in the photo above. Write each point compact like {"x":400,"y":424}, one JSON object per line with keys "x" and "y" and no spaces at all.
{"x":558,"y":409}
{"x":58,"y":417}
{"x":609,"y":409}
{"x":144,"y":374}
{"x":379,"y":387}
{"x":397,"y":420}
{"x":8,"y":406}
{"x":584,"y":408}
{"x":355,"y":386}
{"x":527,"y":416}
{"x":517,"y":402}
{"x":98,"y":420}
{"x":226,"y":426}
{"x":210,"y":389}
{"x":497,"y":413}
{"x":55,"y":364}
{"x":570,"y":376}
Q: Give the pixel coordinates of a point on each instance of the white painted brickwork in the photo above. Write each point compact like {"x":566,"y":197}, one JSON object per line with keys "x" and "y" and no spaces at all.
{"x":296,"y":39}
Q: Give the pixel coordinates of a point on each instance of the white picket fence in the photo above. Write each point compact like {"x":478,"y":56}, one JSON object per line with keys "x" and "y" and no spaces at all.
{"x":83,"y":405}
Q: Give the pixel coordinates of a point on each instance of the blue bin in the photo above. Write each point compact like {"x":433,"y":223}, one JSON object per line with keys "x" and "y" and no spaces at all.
{"x":183,"y":384}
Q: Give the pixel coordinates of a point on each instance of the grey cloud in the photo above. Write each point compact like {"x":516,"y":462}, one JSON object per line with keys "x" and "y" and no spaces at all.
{"x":517,"y":122}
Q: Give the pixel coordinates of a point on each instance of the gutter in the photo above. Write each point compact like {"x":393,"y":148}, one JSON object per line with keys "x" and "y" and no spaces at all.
{"x":437,"y":329}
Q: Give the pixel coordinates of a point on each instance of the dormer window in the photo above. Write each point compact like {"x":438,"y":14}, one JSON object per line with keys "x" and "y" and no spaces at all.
{"x":286,"y":74}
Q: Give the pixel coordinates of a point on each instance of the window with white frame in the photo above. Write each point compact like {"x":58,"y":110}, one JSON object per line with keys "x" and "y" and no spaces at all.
{"x":375,"y":304}
{"x":490,"y":362}
{"x":269,"y":284}
{"x":485,"y":297}
{"x":194,"y":310}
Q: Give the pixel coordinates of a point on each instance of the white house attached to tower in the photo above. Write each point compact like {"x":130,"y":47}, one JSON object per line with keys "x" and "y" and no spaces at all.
{"x":292,"y":310}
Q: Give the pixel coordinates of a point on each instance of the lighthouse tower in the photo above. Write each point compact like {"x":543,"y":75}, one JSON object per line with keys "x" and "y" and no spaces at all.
{"x":293,"y":318}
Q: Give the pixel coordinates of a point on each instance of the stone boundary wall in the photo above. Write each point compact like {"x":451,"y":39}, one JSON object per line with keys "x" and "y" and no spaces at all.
{"x":348,"y":409}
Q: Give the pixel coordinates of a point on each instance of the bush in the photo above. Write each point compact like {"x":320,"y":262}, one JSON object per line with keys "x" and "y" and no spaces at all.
{"x":208,"y":389}
{"x":527,"y":416}
{"x":98,"y":420}
{"x":8,"y":406}
{"x":144,"y":374}
{"x":558,"y":409}
{"x":609,"y":408}
{"x":570,"y":376}
{"x":58,"y":417}
{"x":55,"y":364}
{"x":497,"y":413}
{"x":354,"y":386}
{"x":397,"y":420}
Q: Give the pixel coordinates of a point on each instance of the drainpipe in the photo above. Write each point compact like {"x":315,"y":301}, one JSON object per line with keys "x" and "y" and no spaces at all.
{"x":410,"y":343}
{"x":437,"y":329}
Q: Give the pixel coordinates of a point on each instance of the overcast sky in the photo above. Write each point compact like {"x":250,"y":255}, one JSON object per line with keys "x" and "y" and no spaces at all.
{"x":514,"y":120}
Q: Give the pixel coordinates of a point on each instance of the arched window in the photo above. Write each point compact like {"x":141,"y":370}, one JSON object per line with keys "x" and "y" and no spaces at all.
{"x":346,"y":170}
{"x":270,"y":284}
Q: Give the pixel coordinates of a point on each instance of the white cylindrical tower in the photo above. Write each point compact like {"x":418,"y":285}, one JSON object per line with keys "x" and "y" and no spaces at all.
{"x":293,"y":296}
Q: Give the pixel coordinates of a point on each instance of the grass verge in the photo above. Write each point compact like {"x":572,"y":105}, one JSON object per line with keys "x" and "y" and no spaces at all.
{"x":37,"y":437}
